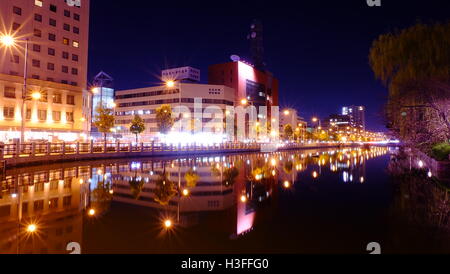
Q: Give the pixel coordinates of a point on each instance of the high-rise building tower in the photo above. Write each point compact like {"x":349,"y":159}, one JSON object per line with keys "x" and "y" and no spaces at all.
{"x":57,"y":35}
{"x":257,"y":44}
{"x":357,"y":116}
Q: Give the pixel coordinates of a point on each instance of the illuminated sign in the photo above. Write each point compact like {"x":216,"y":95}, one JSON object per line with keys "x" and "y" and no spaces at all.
{"x":73,"y":3}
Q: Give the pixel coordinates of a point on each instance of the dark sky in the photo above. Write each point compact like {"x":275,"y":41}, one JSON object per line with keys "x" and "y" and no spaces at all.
{"x":317,"y":49}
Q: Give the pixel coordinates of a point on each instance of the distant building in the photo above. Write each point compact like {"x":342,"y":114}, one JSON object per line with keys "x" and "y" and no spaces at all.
{"x":290,"y":117}
{"x":356,"y":115}
{"x":145,"y":101}
{"x":338,"y":121}
{"x":184,"y":74}
{"x":260,"y":88}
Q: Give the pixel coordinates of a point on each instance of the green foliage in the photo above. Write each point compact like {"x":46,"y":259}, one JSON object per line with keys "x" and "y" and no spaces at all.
{"x":136,"y":187}
{"x":104,"y":119}
{"x":137,"y":126}
{"x":164,"y":118}
{"x":191,"y":178}
{"x":441,"y":151}
{"x":164,"y":190}
{"x":229,"y":176}
{"x":414,"y":64}
{"x":288,"y":131}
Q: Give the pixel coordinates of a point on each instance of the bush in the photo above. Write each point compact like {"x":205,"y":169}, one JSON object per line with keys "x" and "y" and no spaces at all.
{"x":440,"y":151}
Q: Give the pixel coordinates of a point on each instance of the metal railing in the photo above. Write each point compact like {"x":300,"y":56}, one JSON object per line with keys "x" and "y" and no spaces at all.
{"x":8,"y":151}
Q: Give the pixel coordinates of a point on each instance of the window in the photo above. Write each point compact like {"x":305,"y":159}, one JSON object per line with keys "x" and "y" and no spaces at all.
{"x":57,"y":98}
{"x":51,"y":37}
{"x":10,"y":92}
{"x":76,"y":16}
{"x":66,"y":41}
{"x":16,"y":26}
{"x":38,"y":205}
{"x":56,"y":115}
{"x":38,"y":33}
{"x":53,"y":8}
{"x":69,"y":116}
{"x":34,"y":76}
{"x":17,"y":10}
{"x":37,"y":17}
{"x":53,"y":203}
{"x":52,"y":22}
{"x":75,"y":44}
{"x":51,"y":66}
{"x":8,"y":112}
{"x":51,"y":51}
{"x":36,"y":48}
{"x":66,"y":13}
{"x":65,"y":69}
{"x":67,"y":201}
{"x":65,"y":55}
{"x":74,"y":71}
{"x":36,"y":63}
{"x":66,"y":27}
{"x":70,"y":100}
{"x":38,"y":3}
{"x":75,"y":57}
{"x":76,"y":30}
{"x":42,"y":114}
{"x":28,"y":114}
{"x":15,"y":59}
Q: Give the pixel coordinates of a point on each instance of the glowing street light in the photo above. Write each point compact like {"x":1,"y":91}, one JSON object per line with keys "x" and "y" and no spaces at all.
{"x":286,"y":112}
{"x":168,"y":223}
{"x":244,"y":102}
{"x":287,"y":184}
{"x":31,"y":228}
{"x":7,"y":40}
{"x":170,"y":84}
{"x":36,"y":96}
{"x":185,"y":192}
{"x":10,"y":41}
{"x":91,"y":212}
{"x":243,"y":198}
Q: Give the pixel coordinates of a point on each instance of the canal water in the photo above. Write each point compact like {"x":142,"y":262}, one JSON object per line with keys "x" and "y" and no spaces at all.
{"x":306,"y":201}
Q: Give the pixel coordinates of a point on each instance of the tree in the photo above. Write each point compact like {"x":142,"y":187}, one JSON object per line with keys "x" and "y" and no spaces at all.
{"x":288,"y":132}
{"x":137,"y":126}
{"x":164,"y":118}
{"x":104,"y":120}
{"x":415,"y":66}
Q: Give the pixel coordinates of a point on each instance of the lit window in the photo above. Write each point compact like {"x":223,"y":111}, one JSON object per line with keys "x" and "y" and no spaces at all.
{"x":75,"y":44}
{"x":66,"y":41}
{"x":38,"y":3}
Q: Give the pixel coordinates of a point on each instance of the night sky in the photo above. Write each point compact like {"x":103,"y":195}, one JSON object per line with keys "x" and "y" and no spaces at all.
{"x":317,"y":49}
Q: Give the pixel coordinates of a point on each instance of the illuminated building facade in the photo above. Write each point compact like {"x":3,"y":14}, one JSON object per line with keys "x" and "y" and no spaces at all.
{"x":356,"y":115}
{"x":260,"y":88}
{"x":57,"y":36}
{"x":214,"y":100}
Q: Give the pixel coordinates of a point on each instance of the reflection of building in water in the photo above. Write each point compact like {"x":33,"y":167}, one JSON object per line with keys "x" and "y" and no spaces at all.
{"x":52,"y":201}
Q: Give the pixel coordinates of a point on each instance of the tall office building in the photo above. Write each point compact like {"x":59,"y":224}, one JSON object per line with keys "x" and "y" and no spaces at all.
{"x":356,"y":116}
{"x":57,"y":35}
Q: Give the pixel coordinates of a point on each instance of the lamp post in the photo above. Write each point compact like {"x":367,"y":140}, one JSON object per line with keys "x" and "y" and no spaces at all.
{"x":171,"y":84}
{"x":10,"y":41}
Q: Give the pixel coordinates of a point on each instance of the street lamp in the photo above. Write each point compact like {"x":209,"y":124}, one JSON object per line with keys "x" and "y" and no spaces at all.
{"x":171,"y":84}
{"x":10,"y":41}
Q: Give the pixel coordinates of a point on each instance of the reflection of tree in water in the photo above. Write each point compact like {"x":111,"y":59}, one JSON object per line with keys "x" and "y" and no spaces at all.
{"x":229,"y":175}
{"x":101,"y":197}
{"x":262,"y":172}
{"x":164,"y":190}
{"x":191,"y":177}
{"x":425,"y":201}
{"x":288,"y":166}
{"x":136,"y":186}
